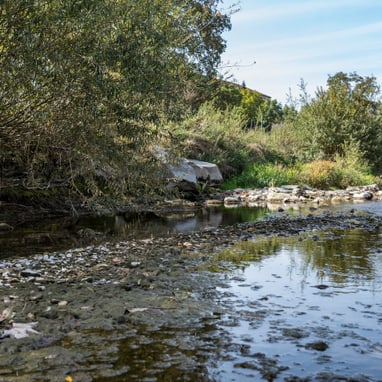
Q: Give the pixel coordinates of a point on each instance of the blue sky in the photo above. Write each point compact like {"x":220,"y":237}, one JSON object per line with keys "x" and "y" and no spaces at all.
{"x":292,"y":40}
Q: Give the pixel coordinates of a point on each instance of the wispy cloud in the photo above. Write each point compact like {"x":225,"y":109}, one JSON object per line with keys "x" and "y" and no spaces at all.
{"x":282,"y":10}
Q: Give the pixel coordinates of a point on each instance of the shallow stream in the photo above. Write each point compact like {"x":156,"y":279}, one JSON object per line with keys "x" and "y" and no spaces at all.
{"x":309,"y":308}
{"x":293,"y":308}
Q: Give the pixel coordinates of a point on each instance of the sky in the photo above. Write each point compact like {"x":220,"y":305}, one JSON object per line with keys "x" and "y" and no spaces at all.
{"x":274,"y":44}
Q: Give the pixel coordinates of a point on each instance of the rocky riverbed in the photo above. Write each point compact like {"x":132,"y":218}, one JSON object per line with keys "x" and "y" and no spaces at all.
{"x":81,"y":304}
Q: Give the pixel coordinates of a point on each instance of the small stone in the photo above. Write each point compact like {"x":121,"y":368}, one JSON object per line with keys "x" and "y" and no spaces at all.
{"x":319,"y":346}
{"x":29,"y":273}
{"x":36,"y":297}
{"x":321,"y":286}
{"x":363,"y":196}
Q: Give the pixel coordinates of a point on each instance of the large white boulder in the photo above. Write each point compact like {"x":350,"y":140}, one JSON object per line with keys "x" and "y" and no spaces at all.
{"x":205,"y":171}
{"x":186,"y":173}
{"x":182,"y":171}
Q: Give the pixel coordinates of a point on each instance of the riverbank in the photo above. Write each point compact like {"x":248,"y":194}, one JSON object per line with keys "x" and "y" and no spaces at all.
{"x":125,"y":289}
{"x":275,"y":198}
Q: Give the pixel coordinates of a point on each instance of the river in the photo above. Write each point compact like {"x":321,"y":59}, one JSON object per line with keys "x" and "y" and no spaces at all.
{"x":304,"y":307}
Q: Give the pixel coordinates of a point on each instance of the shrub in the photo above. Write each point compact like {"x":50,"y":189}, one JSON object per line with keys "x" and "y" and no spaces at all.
{"x":263,"y":175}
{"x":348,"y":169}
{"x":345,"y":112}
{"x":218,"y":136}
{"x":320,"y":174}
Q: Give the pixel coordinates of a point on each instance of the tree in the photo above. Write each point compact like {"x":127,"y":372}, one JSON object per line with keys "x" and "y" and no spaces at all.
{"x":83,"y":80}
{"x":226,"y":95}
{"x":250,"y":103}
{"x":346,"y":113}
{"x":268,"y":113}
{"x":261,"y":112}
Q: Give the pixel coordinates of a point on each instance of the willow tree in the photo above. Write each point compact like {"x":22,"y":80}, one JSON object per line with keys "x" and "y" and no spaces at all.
{"x":82,"y":81}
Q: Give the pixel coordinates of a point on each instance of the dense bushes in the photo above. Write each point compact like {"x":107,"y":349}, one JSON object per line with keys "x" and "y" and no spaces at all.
{"x":333,"y":140}
{"x":218,"y":136}
{"x":82,"y":83}
{"x":345,"y":114}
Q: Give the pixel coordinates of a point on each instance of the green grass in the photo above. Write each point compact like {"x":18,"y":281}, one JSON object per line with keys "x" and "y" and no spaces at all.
{"x":263,"y":175}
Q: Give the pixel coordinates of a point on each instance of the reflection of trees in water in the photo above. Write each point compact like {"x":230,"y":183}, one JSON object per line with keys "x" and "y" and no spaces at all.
{"x":336,"y":256}
{"x":251,"y":250}
{"x":242,"y":214}
{"x":341,"y":255}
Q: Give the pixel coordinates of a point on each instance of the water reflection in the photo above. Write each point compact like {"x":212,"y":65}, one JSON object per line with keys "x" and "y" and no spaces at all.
{"x":334,"y":255}
{"x":144,"y":224}
{"x":60,"y":235}
{"x":169,"y":354}
{"x":309,"y":303}
{"x":64,"y":234}
{"x":291,"y":309}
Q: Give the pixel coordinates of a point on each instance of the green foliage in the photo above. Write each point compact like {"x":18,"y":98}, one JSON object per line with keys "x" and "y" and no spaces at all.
{"x":340,"y":173}
{"x":214,"y":135}
{"x":352,"y":168}
{"x":218,"y":136}
{"x":344,"y":113}
{"x":250,"y":104}
{"x":226,"y":96}
{"x":261,"y":158}
{"x":320,"y":174}
{"x":263,"y":175}
{"x":259,"y":111}
{"x":86,"y":86}
{"x":269,"y":113}
{"x":81,"y":82}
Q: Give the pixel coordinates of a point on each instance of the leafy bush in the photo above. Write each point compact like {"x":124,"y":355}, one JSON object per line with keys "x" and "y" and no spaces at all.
{"x":320,"y":174}
{"x":284,"y":141}
{"x":344,"y":113}
{"x":348,"y":169}
{"x":81,"y":81}
{"x":352,"y":168}
{"x":217,"y":136}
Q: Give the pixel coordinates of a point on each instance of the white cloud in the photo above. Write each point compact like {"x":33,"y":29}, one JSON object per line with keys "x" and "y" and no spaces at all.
{"x":283,"y":9}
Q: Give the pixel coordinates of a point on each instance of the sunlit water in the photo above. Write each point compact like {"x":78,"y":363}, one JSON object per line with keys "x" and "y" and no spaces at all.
{"x":292,"y":309}
{"x":324,"y":292}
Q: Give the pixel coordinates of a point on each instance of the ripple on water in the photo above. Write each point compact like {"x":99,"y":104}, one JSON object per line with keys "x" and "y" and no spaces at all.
{"x":319,"y":317}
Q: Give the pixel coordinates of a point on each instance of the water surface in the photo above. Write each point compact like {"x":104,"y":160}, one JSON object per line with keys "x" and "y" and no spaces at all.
{"x":312,"y":307}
